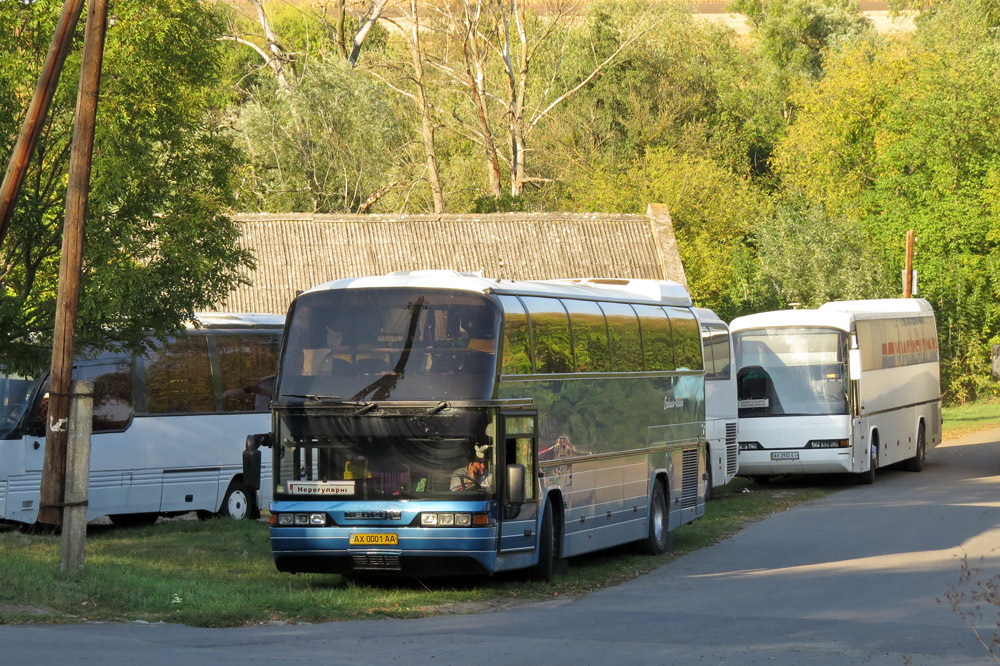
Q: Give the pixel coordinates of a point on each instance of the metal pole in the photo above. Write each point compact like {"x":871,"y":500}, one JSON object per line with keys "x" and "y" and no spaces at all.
{"x":71,"y":265}
{"x":74,"y":529}
{"x":908,"y":269}
{"x":39,"y":106}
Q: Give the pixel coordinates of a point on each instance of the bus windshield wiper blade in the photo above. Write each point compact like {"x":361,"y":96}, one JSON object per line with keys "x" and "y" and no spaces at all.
{"x":314,"y":397}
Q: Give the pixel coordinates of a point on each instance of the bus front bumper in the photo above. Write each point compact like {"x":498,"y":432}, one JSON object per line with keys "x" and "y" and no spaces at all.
{"x":419,"y":551}
{"x":795,"y":461}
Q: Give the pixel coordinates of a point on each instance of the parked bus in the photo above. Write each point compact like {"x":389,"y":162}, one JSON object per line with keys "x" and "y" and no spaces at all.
{"x":721,"y":421}
{"x":436,"y":422}
{"x":850,"y":387}
{"x":169,"y":426}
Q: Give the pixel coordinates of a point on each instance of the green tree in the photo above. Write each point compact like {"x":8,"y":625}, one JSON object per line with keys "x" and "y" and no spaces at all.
{"x":159,"y":245}
{"x":899,"y":137}
{"x":713,"y":214}
{"x":333,"y":143}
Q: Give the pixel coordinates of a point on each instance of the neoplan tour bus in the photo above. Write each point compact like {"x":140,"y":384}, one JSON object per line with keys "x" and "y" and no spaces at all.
{"x":721,"y":418}
{"x":169,"y":426}
{"x":436,"y":422}
{"x":849,"y":387}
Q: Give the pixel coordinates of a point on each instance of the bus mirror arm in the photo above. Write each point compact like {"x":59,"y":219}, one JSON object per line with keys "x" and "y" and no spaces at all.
{"x":515,"y":487}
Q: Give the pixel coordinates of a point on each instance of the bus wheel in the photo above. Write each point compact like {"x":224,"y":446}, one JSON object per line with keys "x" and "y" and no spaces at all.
{"x":868,"y":478}
{"x":133,"y":519}
{"x":916,"y":463}
{"x":236,"y":503}
{"x":658,"y":540}
{"x":548,"y":548}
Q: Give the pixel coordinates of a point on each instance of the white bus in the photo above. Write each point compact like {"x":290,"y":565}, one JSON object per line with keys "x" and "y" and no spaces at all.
{"x":437,"y":423}
{"x":169,"y":426}
{"x":849,"y":387}
{"x":721,"y":422}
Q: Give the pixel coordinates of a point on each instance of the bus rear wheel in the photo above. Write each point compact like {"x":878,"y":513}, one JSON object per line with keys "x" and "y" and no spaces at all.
{"x":658,"y":541}
{"x":236,"y":503}
{"x":916,"y":463}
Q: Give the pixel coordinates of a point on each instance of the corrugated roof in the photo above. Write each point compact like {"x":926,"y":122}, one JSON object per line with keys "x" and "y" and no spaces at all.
{"x":295,"y":252}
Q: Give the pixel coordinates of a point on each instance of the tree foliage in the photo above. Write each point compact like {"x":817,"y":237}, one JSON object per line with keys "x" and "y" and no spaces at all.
{"x":159,"y":245}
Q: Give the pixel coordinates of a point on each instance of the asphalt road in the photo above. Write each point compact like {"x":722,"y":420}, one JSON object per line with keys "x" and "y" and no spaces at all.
{"x":853,"y":578}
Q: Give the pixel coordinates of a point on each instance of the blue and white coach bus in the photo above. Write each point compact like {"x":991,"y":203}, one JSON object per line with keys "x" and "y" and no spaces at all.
{"x":169,"y":426}
{"x":847,"y":388}
{"x":436,"y":422}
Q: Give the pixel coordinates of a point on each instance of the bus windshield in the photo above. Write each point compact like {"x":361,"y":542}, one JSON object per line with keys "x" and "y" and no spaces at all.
{"x":389,"y":344}
{"x":791,"y":371}
{"x":15,"y":392}
{"x":397,"y":454}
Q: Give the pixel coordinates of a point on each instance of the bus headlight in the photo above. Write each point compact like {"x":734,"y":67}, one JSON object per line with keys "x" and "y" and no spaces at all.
{"x":828,"y":444}
{"x":298,"y":519}
{"x":453,"y":519}
{"x":750,"y":446}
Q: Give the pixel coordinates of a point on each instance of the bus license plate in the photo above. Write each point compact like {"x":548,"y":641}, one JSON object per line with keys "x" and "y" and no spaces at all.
{"x":784,"y":455}
{"x":374,"y":540}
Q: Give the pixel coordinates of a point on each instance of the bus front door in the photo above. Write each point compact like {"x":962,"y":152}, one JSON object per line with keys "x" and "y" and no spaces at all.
{"x":518,"y":433}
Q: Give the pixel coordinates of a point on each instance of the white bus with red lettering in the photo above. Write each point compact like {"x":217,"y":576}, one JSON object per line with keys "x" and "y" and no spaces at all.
{"x":849,"y":387}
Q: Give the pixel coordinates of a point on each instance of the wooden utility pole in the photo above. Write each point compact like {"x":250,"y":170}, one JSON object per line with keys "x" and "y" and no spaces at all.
{"x":71,"y":265}
{"x":908,"y":268}
{"x":74,"y":526}
{"x":35,"y":118}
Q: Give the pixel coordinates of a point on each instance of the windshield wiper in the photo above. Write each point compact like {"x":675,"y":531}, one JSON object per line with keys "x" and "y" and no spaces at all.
{"x":314,"y":397}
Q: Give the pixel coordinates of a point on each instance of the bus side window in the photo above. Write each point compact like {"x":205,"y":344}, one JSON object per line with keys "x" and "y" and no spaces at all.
{"x":623,"y":332}
{"x":247,"y":364}
{"x":112,"y":394}
{"x":687,"y":339}
{"x":550,"y":335}
{"x":179,"y":377}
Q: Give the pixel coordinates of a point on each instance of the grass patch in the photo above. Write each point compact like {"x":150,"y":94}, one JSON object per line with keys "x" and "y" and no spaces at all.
{"x":969,"y":418}
{"x":220,"y":573}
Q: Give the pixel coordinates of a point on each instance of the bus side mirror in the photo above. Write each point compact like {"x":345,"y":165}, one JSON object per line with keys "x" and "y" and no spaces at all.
{"x":515,"y":486}
{"x":854,"y":363}
{"x":251,"y":459}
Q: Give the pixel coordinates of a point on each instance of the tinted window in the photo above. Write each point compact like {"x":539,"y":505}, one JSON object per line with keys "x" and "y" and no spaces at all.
{"x":516,"y":338}
{"x":716,"y":344}
{"x":247,"y":364}
{"x":550,"y":329}
{"x":623,"y":333}
{"x":391,"y":344}
{"x":657,"y":342}
{"x":687,"y":339}
{"x":179,"y":377}
{"x":112,"y":394}
{"x":590,"y":336}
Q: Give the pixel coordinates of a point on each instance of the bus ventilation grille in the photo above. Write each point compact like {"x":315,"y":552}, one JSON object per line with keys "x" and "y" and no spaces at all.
{"x":689,"y":479}
{"x":376,"y":562}
{"x":732,"y":450}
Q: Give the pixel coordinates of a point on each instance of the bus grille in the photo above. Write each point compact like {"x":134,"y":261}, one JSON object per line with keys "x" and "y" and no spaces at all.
{"x":689,"y":479}
{"x":376,"y":562}
{"x":732,"y":450}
